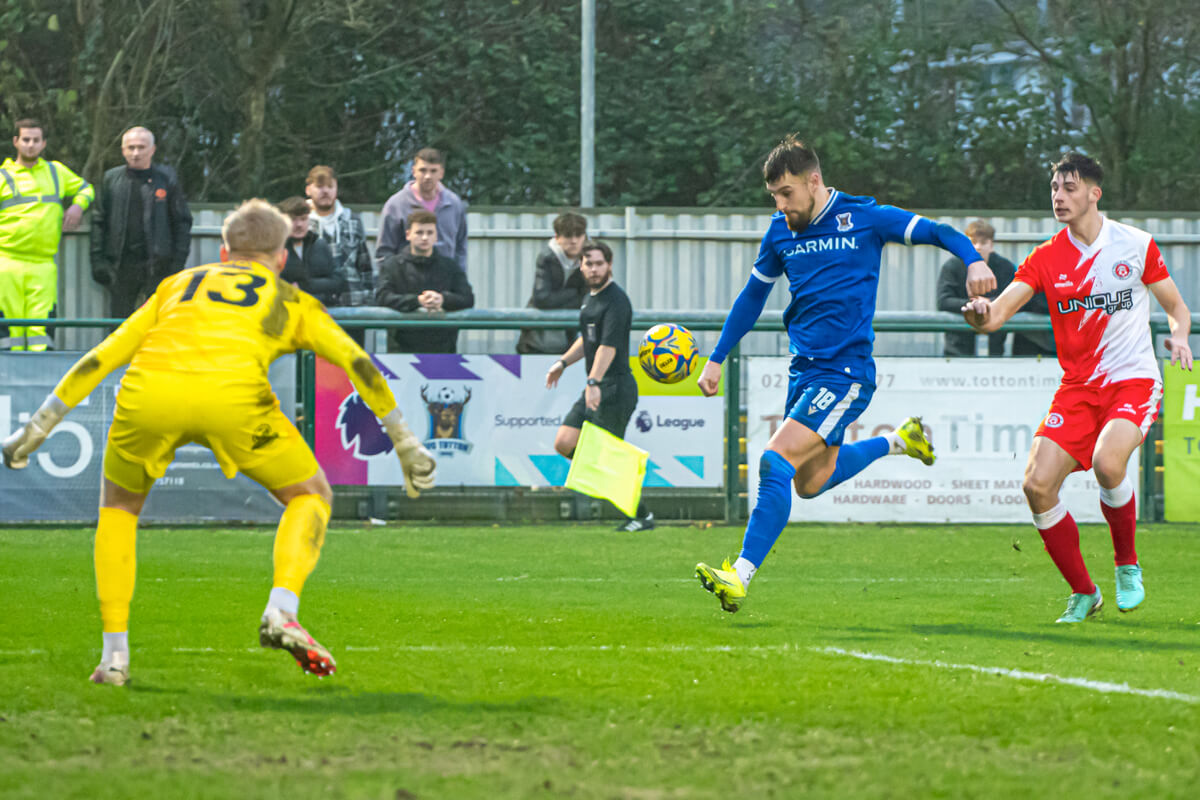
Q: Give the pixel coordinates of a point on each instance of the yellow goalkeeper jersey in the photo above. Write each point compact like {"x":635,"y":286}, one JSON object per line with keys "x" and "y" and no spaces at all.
{"x":226,"y":323}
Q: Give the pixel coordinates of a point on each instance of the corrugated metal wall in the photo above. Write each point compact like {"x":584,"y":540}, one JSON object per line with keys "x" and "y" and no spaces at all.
{"x":694,"y":259}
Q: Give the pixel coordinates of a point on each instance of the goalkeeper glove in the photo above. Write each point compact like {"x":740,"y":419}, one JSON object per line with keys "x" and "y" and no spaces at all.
{"x":29,"y":437}
{"x":415,"y":460}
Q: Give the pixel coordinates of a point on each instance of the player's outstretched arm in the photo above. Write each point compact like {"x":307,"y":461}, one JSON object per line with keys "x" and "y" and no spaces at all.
{"x":987,"y":316}
{"x":25,"y":440}
{"x":319,"y":333}
{"x":710,"y":378}
{"x":418,"y":464}
{"x":746,"y":310}
{"x":919,"y":230}
{"x":116,"y":350}
{"x":1179,"y":318}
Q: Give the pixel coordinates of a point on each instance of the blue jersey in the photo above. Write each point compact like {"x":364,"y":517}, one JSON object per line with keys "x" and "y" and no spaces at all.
{"x":832,"y":272}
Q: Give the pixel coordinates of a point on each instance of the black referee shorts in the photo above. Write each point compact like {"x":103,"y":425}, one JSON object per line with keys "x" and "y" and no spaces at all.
{"x":618,"y":401}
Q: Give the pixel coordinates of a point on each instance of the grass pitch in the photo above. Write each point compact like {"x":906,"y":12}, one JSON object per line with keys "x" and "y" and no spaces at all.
{"x":577,"y":662}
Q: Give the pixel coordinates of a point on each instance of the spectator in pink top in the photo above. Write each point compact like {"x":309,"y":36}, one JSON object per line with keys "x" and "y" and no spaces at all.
{"x":425,"y":192}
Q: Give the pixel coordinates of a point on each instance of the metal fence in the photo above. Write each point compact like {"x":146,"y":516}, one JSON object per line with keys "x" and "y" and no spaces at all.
{"x":667,"y":258}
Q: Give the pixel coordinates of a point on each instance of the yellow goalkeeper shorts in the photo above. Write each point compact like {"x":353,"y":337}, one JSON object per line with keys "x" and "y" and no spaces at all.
{"x":241,"y":423}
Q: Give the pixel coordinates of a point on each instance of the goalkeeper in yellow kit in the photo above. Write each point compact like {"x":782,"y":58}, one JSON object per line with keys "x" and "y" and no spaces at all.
{"x":198,"y":352}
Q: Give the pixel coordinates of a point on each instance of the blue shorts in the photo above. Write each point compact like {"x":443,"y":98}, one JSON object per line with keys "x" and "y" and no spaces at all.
{"x":826,"y":397}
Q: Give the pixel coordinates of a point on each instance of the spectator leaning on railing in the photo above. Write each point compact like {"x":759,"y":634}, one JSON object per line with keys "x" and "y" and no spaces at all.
{"x":419,"y":278}
{"x":426,"y":192}
{"x":557,"y":283}
{"x":32,"y":191}
{"x":343,"y":230}
{"x":952,"y":295}
{"x":309,"y":260}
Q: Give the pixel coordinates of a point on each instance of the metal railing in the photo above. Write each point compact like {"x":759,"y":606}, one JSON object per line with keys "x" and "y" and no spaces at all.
{"x":372,"y":317}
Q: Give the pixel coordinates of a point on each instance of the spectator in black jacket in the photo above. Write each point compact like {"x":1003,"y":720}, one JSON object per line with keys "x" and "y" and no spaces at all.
{"x":309,"y":258}
{"x":952,"y":296}
{"x":418,"y":278}
{"x":557,"y":283}
{"x":141,"y":225}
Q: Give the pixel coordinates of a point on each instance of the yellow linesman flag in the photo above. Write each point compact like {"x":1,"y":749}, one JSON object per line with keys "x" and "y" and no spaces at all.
{"x":609,"y":467}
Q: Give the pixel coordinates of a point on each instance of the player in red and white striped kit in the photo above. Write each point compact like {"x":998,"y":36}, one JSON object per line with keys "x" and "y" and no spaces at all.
{"x":1097,"y":276}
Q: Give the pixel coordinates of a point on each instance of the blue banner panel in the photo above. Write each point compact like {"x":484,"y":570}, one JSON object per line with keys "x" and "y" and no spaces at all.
{"x":62,"y":481}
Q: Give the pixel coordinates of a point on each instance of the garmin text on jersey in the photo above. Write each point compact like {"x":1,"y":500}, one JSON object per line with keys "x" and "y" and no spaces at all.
{"x":821,"y":245}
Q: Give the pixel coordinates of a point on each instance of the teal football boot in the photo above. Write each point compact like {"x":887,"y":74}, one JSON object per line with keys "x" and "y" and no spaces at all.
{"x":1081,"y":606}
{"x":1130,"y":593}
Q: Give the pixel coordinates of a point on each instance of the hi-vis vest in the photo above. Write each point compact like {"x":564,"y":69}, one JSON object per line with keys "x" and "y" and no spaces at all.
{"x":31,"y":216}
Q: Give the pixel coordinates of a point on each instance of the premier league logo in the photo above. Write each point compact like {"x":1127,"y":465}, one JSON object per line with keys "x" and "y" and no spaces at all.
{"x":644,"y":421}
{"x":445,"y":408}
{"x":360,"y":429}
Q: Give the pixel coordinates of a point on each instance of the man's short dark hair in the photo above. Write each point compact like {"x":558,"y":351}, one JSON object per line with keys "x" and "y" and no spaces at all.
{"x":790,"y":156}
{"x":1086,"y":167}
{"x":294,"y":207}
{"x":422,"y":217}
{"x":570,"y":224}
{"x":429,"y":155}
{"x":29,"y":122}
{"x":595,"y":244}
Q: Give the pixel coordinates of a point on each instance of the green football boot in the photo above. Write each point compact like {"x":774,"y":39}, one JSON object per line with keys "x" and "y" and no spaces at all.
{"x":724,"y":583}
{"x":916,"y":443}
{"x":1130,"y":593}
{"x":1081,"y":606}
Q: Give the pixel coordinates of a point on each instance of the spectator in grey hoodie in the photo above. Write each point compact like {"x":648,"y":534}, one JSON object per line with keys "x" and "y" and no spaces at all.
{"x":425,"y":192}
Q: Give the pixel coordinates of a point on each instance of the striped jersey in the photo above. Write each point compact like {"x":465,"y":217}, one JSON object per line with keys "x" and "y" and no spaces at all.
{"x":1099,"y":301}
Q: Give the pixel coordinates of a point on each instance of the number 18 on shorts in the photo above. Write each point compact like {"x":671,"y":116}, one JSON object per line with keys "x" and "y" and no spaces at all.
{"x":826,"y":401}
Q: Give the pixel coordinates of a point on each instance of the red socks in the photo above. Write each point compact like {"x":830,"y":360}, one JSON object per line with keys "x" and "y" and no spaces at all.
{"x":1061,"y":536}
{"x":1122,"y":522}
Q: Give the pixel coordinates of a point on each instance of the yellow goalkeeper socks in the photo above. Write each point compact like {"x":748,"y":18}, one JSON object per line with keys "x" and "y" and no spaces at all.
{"x":116,"y":566}
{"x":299,"y":539}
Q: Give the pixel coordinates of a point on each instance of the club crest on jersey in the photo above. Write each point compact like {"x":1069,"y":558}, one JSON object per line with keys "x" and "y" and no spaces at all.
{"x":445,"y":407}
{"x":1108,"y":302}
{"x":844,"y":223}
{"x":1122,"y":270}
{"x":1054,"y":420}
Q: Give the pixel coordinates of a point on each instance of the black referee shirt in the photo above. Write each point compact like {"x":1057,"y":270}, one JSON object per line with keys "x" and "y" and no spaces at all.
{"x":607,"y":318}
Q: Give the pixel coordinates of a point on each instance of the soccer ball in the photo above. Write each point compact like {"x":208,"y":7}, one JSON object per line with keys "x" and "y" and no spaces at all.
{"x":668,"y":353}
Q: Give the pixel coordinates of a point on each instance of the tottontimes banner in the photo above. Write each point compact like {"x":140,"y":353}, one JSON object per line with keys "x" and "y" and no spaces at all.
{"x":1181,"y":444}
{"x":490,"y":421}
{"x":62,"y":481}
{"x":982,"y":414}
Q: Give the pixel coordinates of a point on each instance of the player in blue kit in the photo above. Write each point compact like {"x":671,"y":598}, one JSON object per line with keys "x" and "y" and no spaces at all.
{"x":827,"y":245}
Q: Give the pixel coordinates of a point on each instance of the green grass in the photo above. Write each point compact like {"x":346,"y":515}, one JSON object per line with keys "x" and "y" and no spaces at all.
{"x":578,"y":662}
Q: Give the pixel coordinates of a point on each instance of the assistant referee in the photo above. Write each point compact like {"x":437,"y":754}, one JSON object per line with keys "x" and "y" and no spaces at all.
{"x":611,"y":395}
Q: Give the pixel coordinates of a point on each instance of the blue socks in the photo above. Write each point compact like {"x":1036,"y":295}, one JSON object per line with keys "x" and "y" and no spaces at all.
{"x":774,"y":503}
{"x":771,"y":510}
{"x":854,"y":458}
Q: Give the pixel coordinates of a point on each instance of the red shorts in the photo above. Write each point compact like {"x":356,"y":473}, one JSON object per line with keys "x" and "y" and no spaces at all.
{"x":1078,"y":413}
